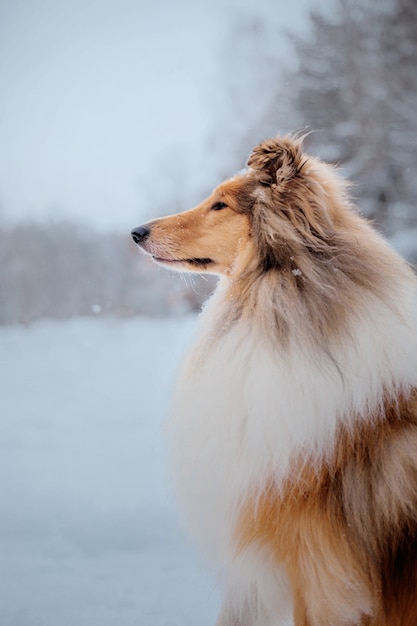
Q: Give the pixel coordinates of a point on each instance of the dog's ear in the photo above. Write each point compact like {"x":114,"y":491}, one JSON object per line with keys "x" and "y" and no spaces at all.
{"x":293,"y":207}
{"x":277,"y":160}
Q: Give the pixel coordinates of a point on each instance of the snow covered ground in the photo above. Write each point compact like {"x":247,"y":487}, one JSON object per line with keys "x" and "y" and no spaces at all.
{"x":88,"y":531}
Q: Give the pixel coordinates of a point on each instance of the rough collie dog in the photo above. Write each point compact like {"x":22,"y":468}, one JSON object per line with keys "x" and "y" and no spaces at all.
{"x":295,"y":420}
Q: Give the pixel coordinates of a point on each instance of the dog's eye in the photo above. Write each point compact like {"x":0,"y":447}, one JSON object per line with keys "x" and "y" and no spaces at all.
{"x":218,"y":206}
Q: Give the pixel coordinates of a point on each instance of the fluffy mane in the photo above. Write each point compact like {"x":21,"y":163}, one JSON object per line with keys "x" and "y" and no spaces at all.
{"x":313,"y":258}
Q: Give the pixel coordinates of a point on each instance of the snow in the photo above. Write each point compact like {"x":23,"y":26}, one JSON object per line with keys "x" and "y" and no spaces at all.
{"x":88,"y":530}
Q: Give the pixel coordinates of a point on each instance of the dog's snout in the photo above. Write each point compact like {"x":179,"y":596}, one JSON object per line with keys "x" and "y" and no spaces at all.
{"x":140,"y":233}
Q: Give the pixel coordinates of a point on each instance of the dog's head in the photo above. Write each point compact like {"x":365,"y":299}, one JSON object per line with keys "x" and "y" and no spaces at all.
{"x":207,"y":238}
{"x":283,"y":204}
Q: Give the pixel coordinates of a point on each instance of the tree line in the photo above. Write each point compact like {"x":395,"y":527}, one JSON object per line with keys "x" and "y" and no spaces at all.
{"x":59,"y":270}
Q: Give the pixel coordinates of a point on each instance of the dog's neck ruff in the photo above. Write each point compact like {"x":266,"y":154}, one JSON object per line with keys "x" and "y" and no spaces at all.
{"x":249,"y":405}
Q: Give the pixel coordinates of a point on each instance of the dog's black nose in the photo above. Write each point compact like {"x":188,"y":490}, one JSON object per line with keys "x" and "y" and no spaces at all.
{"x":140,"y":233}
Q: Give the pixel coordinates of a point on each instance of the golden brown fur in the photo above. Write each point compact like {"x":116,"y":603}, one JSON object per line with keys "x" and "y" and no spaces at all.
{"x":353,"y":519}
{"x":304,"y":272}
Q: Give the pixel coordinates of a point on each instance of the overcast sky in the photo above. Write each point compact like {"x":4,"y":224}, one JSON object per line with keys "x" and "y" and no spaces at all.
{"x":94,"y":92}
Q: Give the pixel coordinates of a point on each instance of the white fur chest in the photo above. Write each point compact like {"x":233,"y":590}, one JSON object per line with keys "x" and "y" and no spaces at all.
{"x":242,"y":411}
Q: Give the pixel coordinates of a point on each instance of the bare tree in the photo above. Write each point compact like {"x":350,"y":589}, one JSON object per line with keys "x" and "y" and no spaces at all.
{"x":357,"y":88}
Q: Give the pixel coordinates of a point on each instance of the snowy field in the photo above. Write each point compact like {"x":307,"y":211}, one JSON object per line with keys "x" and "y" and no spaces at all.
{"x":88,"y":531}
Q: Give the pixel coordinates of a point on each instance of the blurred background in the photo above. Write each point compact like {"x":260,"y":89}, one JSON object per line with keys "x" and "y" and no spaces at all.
{"x":113,"y":112}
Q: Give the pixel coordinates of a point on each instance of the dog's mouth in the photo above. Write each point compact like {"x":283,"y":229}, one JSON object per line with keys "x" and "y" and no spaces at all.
{"x":197,"y":262}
